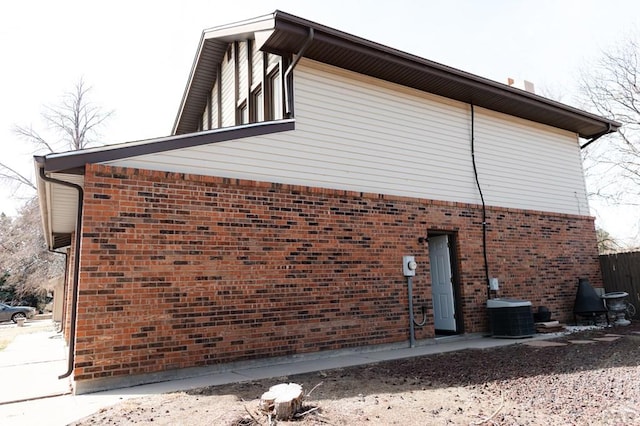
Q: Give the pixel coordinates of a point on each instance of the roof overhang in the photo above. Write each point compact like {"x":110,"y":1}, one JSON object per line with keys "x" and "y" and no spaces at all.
{"x":59,"y":202}
{"x":285,"y":34}
{"x":58,"y":228}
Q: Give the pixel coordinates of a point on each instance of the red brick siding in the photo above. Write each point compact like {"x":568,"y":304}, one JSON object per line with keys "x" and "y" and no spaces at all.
{"x":181,"y":270}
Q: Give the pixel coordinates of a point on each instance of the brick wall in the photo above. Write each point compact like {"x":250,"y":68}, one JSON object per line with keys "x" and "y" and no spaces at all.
{"x":183,"y":271}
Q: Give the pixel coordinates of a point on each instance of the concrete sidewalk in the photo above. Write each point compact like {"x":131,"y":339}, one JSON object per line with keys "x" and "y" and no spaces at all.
{"x":31,"y":363}
{"x":61,"y":410}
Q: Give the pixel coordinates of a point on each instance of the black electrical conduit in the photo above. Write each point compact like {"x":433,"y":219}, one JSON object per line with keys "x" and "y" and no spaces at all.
{"x":412,"y":332}
{"x":76,"y":270}
{"x":484,"y":205}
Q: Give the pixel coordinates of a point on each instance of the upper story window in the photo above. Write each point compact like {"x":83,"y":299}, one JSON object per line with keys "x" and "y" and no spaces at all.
{"x":257,"y":105}
{"x":274,"y":95}
{"x":248,"y":88}
{"x":243,"y":113}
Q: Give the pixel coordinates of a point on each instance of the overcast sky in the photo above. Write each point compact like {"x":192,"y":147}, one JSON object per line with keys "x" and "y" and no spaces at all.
{"x":136,"y":55}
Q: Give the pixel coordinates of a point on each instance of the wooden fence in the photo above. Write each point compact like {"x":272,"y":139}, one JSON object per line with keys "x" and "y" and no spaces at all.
{"x":621,"y":272}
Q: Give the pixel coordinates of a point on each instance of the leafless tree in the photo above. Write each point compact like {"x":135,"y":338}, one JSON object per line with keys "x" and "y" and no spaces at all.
{"x":24,"y":258}
{"x":74,"y":121}
{"x":610,"y":86}
{"x":25,"y":263}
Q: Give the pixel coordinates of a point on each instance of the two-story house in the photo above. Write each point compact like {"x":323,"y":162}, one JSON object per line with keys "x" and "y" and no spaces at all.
{"x":304,"y":163}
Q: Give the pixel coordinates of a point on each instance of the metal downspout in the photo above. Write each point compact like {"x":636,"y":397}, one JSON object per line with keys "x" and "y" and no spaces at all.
{"x":76,"y":270}
{"x":287,"y":88}
{"x":596,"y":137}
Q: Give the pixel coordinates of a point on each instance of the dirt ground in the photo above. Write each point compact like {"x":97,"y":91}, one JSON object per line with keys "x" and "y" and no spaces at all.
{"x":588,"y":378}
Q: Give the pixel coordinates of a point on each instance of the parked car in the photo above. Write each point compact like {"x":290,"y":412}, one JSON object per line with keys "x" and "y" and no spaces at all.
{"x":14,"y":312}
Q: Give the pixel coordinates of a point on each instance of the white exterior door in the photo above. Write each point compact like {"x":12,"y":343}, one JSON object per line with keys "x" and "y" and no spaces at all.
{"x":441,"y":284}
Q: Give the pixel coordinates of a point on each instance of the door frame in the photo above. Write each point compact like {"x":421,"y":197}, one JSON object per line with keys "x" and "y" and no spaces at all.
{"x":454,"y":260}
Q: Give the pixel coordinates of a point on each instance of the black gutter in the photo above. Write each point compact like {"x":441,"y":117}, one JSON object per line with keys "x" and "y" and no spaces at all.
{"x":76,"y":265}
{"x":596,"y":137}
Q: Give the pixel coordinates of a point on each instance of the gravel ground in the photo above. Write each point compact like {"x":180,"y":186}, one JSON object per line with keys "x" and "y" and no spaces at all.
{"x":589,"y":378}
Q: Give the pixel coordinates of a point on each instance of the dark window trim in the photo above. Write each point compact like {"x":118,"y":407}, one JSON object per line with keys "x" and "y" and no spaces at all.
{"x":286,"y":61}
{"x":219,"y":96}
{"x":209,"y":111}
{"x":265,"y":64}
{"x":249,"y":77}
{"x":230,"y":52}
{"x":240,"y":112}
{"x":236,"y":83}
{"x":253,"y":110}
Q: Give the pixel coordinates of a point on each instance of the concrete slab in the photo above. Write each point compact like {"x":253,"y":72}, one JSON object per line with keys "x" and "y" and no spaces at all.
{"x":606,"y":338}
{"x":65,"y":409}
{"x":543,"y":344}
{"x":581,"y":342}
{"x":33,"y":362}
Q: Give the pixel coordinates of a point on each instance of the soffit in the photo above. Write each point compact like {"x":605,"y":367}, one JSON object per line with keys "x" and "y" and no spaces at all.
{"x":63,"y":201}
{"x":344,"y":50}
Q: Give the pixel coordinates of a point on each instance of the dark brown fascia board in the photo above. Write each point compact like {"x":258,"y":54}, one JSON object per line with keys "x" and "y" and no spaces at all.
{"x":185,"y":94}
{"x":290,"y":33}
{"x":193,"y":97}
{"x":299,"y":27}
{"x":76,"y":160}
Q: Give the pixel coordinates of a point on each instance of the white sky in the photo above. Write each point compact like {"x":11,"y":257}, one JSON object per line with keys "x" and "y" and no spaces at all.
{"x":137,"y":55}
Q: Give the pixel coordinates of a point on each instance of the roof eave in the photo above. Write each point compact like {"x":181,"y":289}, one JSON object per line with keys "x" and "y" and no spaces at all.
{"x":213,"y":41}
{"x":296,"y":27}
{"x":354,"y":53}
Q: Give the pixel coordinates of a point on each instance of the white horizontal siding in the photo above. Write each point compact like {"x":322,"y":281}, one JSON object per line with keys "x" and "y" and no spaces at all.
{"x":205,"y":118}
{"x":257,"y":64}
{"x":243,"y":71}
{"x":228,"y":92}
{"x":532,"y":166}
{"x":214,"y":105}
{"x":272,"y":60}
{"x":358,"y":133}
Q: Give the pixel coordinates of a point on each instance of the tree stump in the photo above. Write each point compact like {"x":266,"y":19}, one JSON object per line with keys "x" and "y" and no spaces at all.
{"x":283,"y":400}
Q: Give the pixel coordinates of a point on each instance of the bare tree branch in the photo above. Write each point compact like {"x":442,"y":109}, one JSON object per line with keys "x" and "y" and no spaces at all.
{"x":9,"y":174}
{"x":33,"y":137}
{"x":75,"y":120}
{"x":610,"y":86}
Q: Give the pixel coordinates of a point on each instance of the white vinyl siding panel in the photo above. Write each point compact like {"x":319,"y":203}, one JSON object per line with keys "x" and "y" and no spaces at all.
{"x":521,"y":164}
{"x":256,"y":66}
{"x":205,"y":118}
{"x":361,"y":134}
{"x":243,"y":72}
{"x":228,"y":92}
{"x":272,"y":60}
{"x":214,"y":105}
